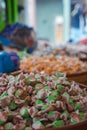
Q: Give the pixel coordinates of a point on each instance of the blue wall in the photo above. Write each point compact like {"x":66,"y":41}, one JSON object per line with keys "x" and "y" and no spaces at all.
{"x":47,"y":10}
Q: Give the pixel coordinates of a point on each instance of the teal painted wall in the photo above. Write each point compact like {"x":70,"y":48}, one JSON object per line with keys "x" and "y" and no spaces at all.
{"x":47,"y":10}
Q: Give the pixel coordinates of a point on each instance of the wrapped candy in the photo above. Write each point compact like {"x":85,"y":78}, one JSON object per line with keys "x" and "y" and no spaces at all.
{"x":27,"y":101}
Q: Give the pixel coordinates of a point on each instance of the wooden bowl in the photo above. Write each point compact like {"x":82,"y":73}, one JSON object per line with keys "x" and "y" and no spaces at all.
{"x":16,"y":72}
{"x":83,"y":56}
{"x":79,"y":77}
{"x":81,"y":125}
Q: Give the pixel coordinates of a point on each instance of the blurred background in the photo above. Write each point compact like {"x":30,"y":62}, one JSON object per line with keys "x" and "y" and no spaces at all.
{"x":41,"y":27}
{"x":31,"y":24}
{"x":56,"y":21}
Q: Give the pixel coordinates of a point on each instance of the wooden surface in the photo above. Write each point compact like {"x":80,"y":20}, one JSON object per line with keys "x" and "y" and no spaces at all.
{"x":80,"y":78}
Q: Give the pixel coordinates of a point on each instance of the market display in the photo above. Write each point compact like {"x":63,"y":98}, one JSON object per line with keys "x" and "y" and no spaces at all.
{"x":37,"y":101}
{"x":69,"y":50}
{"x":51,"y":64}
{"x":43,"y":65}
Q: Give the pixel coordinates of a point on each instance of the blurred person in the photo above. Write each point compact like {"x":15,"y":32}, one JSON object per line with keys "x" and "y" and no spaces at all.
{"x":84,"y":4}
{"x":76,"y":16}
{"x":76,"y":13}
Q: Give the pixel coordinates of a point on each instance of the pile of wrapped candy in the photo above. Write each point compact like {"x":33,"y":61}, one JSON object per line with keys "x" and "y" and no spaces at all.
{"x":37,"y":101}
{"x":52,"y":64}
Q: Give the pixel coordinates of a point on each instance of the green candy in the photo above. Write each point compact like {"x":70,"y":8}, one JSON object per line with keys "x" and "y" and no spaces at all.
{"x":51,"y":113}
{"x":39,"y":102}
{"x":67,"y":82}
{"x":28,"y":119}
{"x":47,"y":88}
{"x":54,"y":77}
{"x":59,"y":86}
{"x":73,"y":121}
{"x":16,"y":79}
{"x":29,"y":80}
{"x":4,"y":95}
{"x":66,"y":114}
{"x":81,"y":116}
{"x":58,"y":123}
{"x":17,"y":93}
{"x":36,"y":85}
{"x":51,"y":99}
{"x":44,"y":107}
{"x":71,"y":102}
{"x":24,"y":112}
{"x":45,"y":79}
{"x":67,"y":96}
{"x":78,"y":106}
{"x":39,"y":94}
{"x":12,"y":105}
{"x":58,"y":83}
{"x":55,"y":93}
{"x":38,"y":122}
{"x":8,"y":126}
{"x":27,"y":128}
{"x":59,"y":74}
{"x":80,"y":95}
{"x":1,"y":122}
